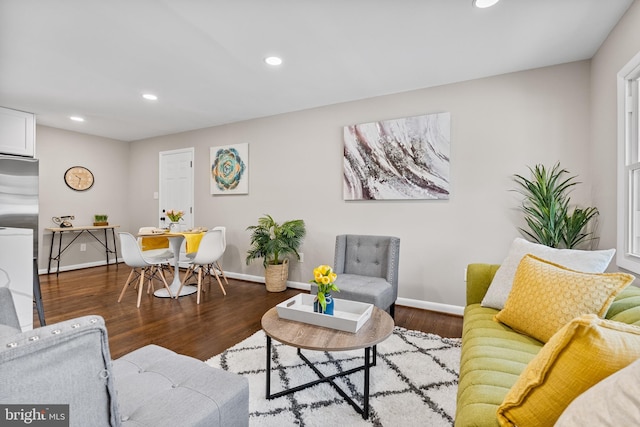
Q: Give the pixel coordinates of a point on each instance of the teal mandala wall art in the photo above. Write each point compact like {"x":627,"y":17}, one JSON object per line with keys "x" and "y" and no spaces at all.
{"x":229,"y":169}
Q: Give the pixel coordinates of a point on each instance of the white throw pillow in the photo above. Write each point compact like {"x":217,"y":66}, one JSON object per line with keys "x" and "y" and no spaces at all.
{"x":613,"y":402}
{"x":584,"y":261}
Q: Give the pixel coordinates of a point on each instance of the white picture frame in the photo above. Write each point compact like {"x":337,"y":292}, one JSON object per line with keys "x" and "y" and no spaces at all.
{"x":398,"y":159}
{"x":229,"y":170}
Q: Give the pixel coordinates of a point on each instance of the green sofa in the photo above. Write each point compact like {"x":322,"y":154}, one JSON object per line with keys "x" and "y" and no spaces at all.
{"x":494,"y":355}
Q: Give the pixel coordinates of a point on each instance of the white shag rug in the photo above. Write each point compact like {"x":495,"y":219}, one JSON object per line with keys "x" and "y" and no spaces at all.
{"x":414,"y":382}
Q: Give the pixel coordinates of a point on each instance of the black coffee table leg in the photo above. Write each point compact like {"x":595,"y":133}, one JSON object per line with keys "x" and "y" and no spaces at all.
{"x":268,"y":367}
{"x":369,"y":360}
{"x":367,"y":366}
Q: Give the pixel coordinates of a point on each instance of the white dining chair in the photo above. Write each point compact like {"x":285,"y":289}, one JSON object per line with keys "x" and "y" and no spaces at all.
{"x":156,"y":252}
{"x":216,"y":264}
{"x":142,"y":267}
{"x":209,"y":251}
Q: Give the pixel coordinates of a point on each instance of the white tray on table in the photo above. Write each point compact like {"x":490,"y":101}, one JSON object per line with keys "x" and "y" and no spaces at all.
{"x":348,"y":316}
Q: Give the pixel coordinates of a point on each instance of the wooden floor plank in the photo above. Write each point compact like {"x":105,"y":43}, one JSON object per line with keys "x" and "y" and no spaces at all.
{"x":200,"y":331}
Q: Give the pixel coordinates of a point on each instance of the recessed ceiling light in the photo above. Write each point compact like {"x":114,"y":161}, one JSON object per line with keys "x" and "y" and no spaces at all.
{"x":482,"y":4}
{"x":77,"y":118}
{"x":150,"y":97}
{"x":273,"y":60}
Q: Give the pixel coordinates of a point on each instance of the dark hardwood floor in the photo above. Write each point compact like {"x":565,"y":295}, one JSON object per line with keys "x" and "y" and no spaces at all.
{"x":200,"y":331}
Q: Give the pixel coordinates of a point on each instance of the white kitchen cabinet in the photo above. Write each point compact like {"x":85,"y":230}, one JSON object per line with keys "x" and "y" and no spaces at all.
{"x":17,"y":132}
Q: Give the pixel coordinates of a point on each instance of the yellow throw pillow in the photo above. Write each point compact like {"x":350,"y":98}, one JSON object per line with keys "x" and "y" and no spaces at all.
{"x":582,"y":353}
{"x":546,"y":296}
{"x":621,"y":407}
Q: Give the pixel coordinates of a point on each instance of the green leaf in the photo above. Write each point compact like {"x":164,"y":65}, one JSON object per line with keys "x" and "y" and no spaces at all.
{"x":272,"y":241}
{"x":546,"y":208}
{"x":322,"y":300}
{"x":576,"y":225}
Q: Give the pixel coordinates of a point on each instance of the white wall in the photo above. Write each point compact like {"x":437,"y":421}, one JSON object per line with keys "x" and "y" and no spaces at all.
{"x":622,"y":44}
{"x":108,"y":159}
{"x":500,"y":125}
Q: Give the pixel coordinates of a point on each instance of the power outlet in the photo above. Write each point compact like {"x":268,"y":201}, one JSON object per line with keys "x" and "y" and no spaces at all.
{"x":83,"y":247}
{"x":301,"y":257}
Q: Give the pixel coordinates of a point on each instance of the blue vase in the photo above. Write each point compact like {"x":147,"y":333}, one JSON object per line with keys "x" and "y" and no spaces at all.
{"x":317,"y":308}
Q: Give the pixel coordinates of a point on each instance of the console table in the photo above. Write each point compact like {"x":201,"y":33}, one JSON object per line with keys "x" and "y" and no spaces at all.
{"x":90,"y":229}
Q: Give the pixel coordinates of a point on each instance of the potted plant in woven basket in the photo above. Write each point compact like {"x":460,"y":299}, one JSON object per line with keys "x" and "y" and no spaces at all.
{"x":273,"y":242}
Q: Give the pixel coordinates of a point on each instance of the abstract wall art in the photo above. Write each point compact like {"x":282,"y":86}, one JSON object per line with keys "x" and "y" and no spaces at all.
{"x":230,"y":169}
{"x":398,"y":159}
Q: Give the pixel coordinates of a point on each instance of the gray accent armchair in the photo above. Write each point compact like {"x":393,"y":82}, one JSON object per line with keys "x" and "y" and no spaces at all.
{"x":70,"y":363}
{"x":367,"y":269}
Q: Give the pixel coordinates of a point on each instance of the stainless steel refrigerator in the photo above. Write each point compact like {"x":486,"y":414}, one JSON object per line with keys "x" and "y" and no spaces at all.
{"x":19,"y":195}
{"x":19,"y":205}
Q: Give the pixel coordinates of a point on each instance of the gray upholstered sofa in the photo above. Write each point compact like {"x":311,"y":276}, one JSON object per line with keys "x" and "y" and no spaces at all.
{"x":69,"y":363}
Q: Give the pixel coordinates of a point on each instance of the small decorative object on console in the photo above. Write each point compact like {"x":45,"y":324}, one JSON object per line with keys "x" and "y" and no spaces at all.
{"x":324,"y":277}
{"x":100,"y":220}
{"x":63,"y":221}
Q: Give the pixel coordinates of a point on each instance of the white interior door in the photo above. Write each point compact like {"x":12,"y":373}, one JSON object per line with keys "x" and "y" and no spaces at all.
{"x":176,"y":184}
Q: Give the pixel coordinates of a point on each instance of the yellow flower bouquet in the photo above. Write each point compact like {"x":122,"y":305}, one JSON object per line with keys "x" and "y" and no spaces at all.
{"x":175,"y":215}
{"x":324,"y":277}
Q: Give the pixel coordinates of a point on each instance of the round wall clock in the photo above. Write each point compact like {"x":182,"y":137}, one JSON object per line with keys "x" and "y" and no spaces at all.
{"x":78,"y":178}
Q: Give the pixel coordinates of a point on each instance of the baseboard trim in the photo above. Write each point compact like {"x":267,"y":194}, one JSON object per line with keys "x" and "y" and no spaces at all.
{"x":76,"y":266}
{"x":431,"y":306}
{"x":260,"y":279}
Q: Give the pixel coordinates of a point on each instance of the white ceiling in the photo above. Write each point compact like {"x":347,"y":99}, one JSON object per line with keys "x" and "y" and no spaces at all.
{"x":204,"y":58}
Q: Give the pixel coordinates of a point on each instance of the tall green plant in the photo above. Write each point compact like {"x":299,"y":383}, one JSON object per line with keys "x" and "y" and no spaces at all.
{"x":546,"y":206}
{"x":273,"y":242}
